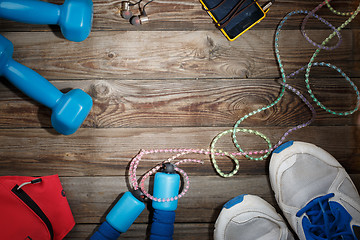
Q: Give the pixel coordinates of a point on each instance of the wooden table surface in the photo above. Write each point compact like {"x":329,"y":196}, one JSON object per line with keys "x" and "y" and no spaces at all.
{"x":175,"y":82}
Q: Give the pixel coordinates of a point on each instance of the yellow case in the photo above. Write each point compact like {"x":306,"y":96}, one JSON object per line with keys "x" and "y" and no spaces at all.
{"x":223,"y":31}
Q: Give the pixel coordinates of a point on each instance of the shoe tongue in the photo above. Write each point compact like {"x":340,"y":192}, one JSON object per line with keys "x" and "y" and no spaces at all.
{"x":303,"y":180}
{"x":315,"y":207}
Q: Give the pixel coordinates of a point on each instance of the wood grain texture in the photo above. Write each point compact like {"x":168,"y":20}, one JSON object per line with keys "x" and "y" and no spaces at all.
{"x":91,"y":198}
{"x":189,"y":15}
{"x":107,"y":152}
{"x":174,"y":83}
{"x":163,"y":55}
{"x":182,"y":230}
{"x":191,"y":231}
{"x":185,"y":103}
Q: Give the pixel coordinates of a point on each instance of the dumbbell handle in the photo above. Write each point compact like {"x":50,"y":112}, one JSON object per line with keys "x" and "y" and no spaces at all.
{"x":32,"y":83}
{"x":30,"y":11}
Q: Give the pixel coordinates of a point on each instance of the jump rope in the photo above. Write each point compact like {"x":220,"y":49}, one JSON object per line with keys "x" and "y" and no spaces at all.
{"x":139,"y":184}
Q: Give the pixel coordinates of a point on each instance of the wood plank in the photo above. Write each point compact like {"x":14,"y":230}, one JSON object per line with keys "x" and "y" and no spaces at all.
{"x":182,"y":230}
{"x":198,"y":199}
{"x":356,"y":47}
{"x":173,"y":83}
{"x":187,"y":54}
{"x":91,"y":198}
{"x":189,"y":15}
{"x":184,"y":103}
{"x":193,"y":231}
{"x":107,"y":152}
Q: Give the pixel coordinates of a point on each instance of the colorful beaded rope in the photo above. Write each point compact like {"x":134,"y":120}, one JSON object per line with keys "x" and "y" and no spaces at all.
{"x":213,"y":152}
{"x":337,"y":12}
{"x":307,"y":74}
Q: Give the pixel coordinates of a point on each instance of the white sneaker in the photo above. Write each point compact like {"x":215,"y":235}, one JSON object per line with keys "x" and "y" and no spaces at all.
{"x":314,"y":192}
{"x":249,"y":217}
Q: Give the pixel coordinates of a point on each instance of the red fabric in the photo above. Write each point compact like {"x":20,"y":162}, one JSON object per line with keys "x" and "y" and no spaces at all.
{"x":19,"y":222}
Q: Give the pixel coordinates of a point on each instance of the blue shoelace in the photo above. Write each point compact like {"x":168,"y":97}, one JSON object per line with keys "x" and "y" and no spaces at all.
{"x":325,"y":221}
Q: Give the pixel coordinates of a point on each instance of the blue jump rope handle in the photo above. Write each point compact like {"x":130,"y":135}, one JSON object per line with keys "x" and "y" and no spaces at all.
{"x":106,"y":232}
{"x":166,"y":185}
{"x":129,"y":207}
{"x":162,"y":227}
{"x":120,"y":218}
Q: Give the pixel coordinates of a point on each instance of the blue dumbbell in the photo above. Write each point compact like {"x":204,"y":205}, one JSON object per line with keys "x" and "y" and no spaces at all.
{"x":69,"y":110}
{"x":74,"y":16}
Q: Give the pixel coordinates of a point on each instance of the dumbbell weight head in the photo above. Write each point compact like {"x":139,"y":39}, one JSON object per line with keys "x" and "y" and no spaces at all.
{"x":70,"y":111}
{"x":76,"y":18}
{"x":6,"y":52}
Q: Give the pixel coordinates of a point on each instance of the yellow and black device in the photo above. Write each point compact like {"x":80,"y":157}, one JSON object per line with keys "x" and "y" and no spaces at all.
{"x":234,"y":17}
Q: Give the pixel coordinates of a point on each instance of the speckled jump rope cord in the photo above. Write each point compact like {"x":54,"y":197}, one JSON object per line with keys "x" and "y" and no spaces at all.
{"x":213,"y":152}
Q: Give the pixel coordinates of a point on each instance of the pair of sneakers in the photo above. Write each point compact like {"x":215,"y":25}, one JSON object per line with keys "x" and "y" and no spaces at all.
{"x":314,"y":192}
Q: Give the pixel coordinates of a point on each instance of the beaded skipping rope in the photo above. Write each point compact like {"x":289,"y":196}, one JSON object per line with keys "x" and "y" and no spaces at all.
{"x":213,"y":152}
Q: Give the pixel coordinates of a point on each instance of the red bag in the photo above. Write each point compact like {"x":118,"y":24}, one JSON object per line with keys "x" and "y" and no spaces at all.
{"x":33,"y":209}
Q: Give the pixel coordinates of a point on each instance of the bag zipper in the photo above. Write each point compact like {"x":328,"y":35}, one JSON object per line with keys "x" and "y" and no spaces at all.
{"x":31,"y":204}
